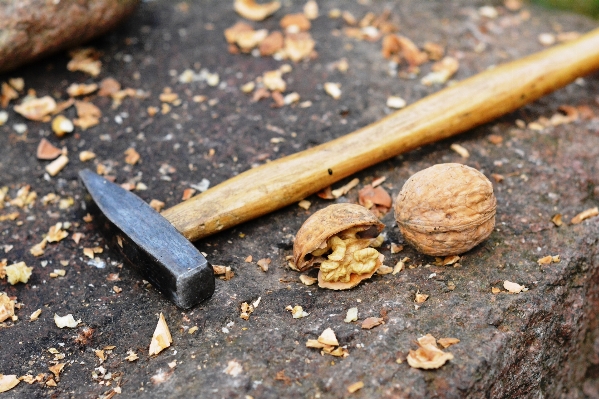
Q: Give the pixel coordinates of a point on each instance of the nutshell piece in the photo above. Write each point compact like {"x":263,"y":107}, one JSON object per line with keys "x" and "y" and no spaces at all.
{"x":256,"y":12}
{"x":162,"y":337}
{"x":66,"y":321}
{"x":7,"y":307}
{"x":340,"y":239}
{"x":428,"y":356}
{"x":446,"y":209}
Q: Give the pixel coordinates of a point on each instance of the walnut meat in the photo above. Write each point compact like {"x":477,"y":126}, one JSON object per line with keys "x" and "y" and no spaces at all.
{"x":446,"y":209}
{"x":340,"y":239}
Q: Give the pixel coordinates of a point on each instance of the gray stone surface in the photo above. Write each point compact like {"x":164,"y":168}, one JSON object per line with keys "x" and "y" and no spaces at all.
{"x":541,"y":343}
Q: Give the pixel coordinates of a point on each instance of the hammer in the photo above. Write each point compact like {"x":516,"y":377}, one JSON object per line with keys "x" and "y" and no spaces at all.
{"x":158,"y":244}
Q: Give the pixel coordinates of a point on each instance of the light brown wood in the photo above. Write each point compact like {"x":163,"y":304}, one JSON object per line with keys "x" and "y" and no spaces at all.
{"x":453,"y":110}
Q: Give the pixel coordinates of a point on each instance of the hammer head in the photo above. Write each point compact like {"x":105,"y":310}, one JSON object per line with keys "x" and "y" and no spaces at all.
{"x":151,"y":244}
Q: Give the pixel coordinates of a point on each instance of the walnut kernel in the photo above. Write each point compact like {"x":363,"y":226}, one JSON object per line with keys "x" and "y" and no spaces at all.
{"x":341,"y":239}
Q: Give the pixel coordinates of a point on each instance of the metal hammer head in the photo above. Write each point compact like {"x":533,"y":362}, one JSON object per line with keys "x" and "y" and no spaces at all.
{"x":151,"y":244}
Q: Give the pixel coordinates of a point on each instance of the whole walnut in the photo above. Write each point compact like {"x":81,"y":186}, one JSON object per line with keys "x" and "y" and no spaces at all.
{"x":339,"y":239}
{"x":446,"y":209}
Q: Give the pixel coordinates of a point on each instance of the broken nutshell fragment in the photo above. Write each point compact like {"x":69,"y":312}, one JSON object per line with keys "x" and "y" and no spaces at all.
{"x":428,"y":355}
{"x":7,"y":307}
{"x":162,"y":337}
{"x":341,"y":240}
{"x":256,"y":12}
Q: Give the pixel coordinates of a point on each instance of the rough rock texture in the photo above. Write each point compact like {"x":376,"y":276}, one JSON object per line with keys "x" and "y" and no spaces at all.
{"x":30,"y":29}
{"x":539,"y":343}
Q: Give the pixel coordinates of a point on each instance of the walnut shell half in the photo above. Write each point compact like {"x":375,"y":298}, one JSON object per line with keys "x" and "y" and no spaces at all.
{"x":339,"y":238}
{"x":446,"y":209}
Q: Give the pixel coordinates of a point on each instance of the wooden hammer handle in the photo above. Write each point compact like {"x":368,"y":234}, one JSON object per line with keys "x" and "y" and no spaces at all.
{"x":453,"y":110}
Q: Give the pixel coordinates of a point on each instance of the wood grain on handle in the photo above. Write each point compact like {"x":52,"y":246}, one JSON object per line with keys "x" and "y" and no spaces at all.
{"x":453,"y":110}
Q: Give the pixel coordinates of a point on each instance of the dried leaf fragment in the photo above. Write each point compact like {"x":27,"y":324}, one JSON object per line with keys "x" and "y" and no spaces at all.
{"x":514,"y":288}
{"x":372,"y":322}
{"x":8,"y":382}
{"x":46,"y":151}
{"x":18,"y":273}
{"x":428,"y":355}
{"x":256,"y":12}
{"x":66,"y":321}
{"x":589,"y":213}
{"x":162,"y":337}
